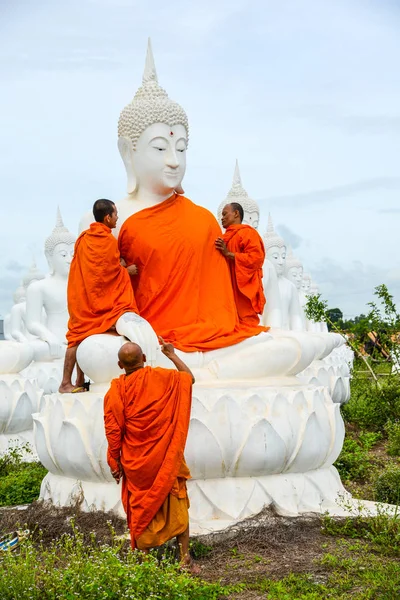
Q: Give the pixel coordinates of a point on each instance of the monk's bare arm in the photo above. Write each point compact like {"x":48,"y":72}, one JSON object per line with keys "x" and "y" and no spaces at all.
{"x":169,"y":352}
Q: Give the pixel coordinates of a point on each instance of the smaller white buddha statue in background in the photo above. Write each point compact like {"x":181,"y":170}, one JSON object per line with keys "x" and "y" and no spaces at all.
{"x":18,"y":328}
{"x":304,"y":291}
{"x":238,"y":194}
{"x":18,"y":297}
{"x":50,"y":295}
{"x":289,"y":305}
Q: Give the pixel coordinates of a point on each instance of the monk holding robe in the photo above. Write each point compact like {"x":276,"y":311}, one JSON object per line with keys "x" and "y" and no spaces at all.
{"x":146,"y":417}
{"x":244,"y":250}
{"x":99,"y":288}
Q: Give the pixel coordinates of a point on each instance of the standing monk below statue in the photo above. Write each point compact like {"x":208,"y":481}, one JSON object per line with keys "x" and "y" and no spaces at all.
{"x":100,"y":295}
{"x":244,"y":250}
{"x":146,"y":417}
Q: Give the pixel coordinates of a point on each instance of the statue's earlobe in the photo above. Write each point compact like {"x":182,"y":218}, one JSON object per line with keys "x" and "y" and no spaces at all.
{"x":126,"y":151}
{"x":179,"y":189}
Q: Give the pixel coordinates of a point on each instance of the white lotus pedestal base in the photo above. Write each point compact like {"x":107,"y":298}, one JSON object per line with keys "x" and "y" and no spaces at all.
{"x":215,"y":504}
{"x":251,"y":444}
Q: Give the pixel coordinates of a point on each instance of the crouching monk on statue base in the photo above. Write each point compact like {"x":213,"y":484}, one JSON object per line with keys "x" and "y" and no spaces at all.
{"x":243,"y":248}
{"x":146,"y":417}
{"x":100,"y":295}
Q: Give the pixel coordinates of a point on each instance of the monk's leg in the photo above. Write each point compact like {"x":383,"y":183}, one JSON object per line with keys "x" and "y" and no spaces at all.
{"x":184,"y":553}
{"x":69,"y":364}
{"x":80,"y":376}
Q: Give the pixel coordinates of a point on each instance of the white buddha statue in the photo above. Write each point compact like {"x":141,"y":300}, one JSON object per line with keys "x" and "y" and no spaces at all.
{"x":19,"y":331}
{"x":49,"y":295}
{"x":258,"y":435}
{"x":238,"y":194}
{"x":293,"y":269}
{"x":152,"y":140}
{"x":304,"y":291}
{"x":291,"y":315}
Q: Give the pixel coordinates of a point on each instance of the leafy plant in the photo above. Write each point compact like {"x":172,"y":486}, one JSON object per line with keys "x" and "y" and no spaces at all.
{"x":387,"y":486}
{"x":353,"y":462}
{"x":19,"y":481}
{"x":393,"y":433}
{"x":70,"y":568}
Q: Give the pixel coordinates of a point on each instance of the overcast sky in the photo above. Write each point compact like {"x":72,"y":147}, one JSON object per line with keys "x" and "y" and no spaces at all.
{"x":305,"y":93}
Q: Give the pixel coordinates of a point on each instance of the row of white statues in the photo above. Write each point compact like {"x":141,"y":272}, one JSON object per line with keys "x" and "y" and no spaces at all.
{"x":266,"y":425}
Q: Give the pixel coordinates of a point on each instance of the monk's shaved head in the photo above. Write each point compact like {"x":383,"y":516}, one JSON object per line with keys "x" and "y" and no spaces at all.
{"x":130,"y":355}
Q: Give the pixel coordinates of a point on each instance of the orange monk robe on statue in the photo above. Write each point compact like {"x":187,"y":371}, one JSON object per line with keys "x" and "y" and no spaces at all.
{"x":246,"y":271}
{"x":146,"y":417}
{"x":99,"y":288}
{"x":183,"y":288}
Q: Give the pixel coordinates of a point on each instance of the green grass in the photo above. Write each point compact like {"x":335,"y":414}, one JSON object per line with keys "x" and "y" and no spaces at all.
{"x":70,"y":568}
{"x":19,"y":481}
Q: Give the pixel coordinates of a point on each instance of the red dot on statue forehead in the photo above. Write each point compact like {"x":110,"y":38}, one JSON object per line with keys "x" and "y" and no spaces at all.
{"x":171,"y":133}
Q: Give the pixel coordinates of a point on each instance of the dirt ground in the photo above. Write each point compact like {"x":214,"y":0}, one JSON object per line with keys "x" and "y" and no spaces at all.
{"x":266,"y":546}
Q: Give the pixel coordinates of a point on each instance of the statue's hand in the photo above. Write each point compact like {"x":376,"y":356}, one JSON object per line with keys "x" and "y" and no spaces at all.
{"x":138,"y":330}
{"x":56,"y":349}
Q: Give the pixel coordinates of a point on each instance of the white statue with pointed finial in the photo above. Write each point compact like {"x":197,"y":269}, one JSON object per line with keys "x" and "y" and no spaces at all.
{"x":49,"y":295}
{"x":237,"y":193}
{"x":291,"y":315}
{"x":19,"y":331}
{"x":257,"y":435}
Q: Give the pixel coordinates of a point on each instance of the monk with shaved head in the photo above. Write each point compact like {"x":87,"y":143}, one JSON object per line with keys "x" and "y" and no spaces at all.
{"x":146,"y":417}
{"x":244,"y":251}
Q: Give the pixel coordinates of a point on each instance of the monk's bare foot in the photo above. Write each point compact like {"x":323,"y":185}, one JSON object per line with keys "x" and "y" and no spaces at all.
{"x":188,"y":564}
{"x":71,"y":389}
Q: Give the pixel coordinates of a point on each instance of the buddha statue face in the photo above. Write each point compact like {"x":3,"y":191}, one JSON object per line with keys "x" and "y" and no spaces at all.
{"x":295,"y":275}
{"x":305,"y":285}
{"x":251,"y":218}
{"x":60,"y":260}
{"x":158,"y":163}
{"x":277,"y":256}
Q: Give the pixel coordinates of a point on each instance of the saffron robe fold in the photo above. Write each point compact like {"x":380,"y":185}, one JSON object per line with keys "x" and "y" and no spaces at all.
{"x":99,"y":288}
{"x":183,"y":288}
{"x":146,"y":418}
{"x":246,"y":271}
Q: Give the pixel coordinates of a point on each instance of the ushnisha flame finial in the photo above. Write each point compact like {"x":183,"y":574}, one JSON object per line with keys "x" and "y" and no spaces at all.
{"x":59,"y":235}
{"x":237,"y":193}
{"x":271,"y":238}
{"x":150,"y":105}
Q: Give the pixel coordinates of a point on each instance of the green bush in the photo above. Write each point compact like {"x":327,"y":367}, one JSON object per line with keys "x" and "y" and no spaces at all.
{"x":71,"y":568}
{"x":22,"y":486}
{"x":370,"y":406}
{"x":387,"y":486}
{"x":393,"y":433}
{"x":353,"y":462}
{"x":19,"y":481}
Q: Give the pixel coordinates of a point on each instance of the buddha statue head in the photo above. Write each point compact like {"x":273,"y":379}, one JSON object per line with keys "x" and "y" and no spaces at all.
{"x":59,"y":249}
{"x":306,"y":283}
{"x":153,"y":138}
{"x":238,"y":194}
{"x":293,"y":269}
{"x":275,"y":248}
{"x":32,"y":275}
{"x":19,"y":294}
{"x":314,"y":289}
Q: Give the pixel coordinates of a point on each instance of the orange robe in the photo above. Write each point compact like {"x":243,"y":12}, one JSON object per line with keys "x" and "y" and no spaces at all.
{"x":246,"y":271}
{"x":146,"y":418}
{"x":99,"y":288}
{"x":183,"y":288}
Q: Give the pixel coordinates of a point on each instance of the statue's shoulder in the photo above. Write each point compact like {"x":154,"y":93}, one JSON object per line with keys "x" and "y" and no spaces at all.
{"x":200,"y":210}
